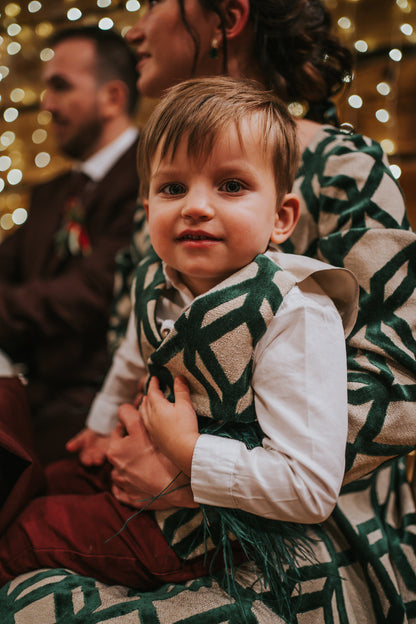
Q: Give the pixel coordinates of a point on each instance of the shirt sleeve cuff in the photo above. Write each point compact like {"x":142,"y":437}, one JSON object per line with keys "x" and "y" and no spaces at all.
{"x":6,"y":367}
{"x":102,"y":417}
{"x":213,"y":467}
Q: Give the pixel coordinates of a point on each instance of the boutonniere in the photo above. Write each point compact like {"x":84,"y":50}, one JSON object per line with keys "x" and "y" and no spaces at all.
{"x":72,"y":238}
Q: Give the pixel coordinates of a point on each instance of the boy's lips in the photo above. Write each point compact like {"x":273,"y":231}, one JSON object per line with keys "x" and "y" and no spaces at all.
{"x":197,"y":236}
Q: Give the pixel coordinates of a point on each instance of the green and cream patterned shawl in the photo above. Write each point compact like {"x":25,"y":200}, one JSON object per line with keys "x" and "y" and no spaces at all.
{"x":202,"y":348}
{"x":352,"y":215}
{"x":211,"y":345}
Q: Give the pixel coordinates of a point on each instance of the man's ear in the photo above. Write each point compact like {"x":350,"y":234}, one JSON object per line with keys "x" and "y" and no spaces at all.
{"x":236,"y":14}
{"x":287,"y":215}
{"x":113,"y":97}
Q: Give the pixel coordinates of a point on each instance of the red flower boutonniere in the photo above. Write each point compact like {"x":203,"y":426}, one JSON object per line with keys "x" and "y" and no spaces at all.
{"x":72,"y":237}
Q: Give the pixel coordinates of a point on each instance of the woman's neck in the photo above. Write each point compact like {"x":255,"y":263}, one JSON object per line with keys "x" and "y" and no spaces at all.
{"x":237,"y":68}
{"x":241,"y":62}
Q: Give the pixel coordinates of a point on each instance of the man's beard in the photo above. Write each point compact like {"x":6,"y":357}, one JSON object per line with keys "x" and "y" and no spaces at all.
{"x":82,"y":145}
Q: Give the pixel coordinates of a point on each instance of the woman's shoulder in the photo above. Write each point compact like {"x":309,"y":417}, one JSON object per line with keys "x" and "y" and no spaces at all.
{"x":339,"y":157}
{"x":330,"y":141}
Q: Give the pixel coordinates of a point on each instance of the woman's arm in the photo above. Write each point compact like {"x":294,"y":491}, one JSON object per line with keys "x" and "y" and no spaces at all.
{"x":353,"y":215}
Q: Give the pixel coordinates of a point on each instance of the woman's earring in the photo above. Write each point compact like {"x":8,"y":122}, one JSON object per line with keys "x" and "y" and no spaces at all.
{"x":213,"y":53}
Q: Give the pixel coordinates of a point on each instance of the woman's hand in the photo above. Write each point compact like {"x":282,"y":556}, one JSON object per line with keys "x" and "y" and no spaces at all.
{"x":140,"y":471}
{"x":173,"y":427}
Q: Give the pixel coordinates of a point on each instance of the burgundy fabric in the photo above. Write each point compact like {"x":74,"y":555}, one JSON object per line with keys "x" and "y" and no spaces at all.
{"x":82,"y":532}
{"x":57,"y":416}
{"x":21,"y":476}
{"x":54,"y":311}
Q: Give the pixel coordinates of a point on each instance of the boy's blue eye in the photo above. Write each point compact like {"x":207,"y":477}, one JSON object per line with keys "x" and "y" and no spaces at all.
{"x":232,"y":186}
{"x":174,"y":189}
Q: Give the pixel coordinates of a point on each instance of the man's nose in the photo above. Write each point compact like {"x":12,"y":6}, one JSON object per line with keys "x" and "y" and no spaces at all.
{"x":47,"y":101}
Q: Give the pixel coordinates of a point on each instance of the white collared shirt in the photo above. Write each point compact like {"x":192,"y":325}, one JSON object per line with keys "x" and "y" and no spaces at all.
{"x":6,"y":365}
{"x":300,"y":387}
{"x":100,"y":163}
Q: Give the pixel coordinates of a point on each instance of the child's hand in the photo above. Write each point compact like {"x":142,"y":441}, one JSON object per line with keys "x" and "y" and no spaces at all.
{"x":141,"y":471}
{"x":173,"y":427}
{"x":140,"y":391}
{"x":90,"y":446}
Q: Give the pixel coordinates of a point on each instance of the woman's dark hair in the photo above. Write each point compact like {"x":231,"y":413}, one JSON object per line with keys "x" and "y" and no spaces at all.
{"x":297,"y":53}
{"x":114,"y":58}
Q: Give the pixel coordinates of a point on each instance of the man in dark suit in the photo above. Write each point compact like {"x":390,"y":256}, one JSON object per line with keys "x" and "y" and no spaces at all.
{"x":56,"y":270}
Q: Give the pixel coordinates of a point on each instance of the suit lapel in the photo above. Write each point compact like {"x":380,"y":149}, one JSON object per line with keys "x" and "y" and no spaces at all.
{"x":47,"y":205}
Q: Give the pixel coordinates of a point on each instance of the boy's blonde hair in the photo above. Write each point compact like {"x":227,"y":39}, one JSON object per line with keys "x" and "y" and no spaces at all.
{"x":199,"y":110}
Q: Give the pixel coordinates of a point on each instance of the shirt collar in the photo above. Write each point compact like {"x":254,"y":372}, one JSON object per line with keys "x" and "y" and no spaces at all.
{"x":98,"y":165}
{"x":174,"y":281}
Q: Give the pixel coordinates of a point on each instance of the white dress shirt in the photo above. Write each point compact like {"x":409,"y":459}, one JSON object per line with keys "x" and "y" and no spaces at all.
{"x":6,"y":365}
{"x":300,"y":389}
{"x":100,"y":163}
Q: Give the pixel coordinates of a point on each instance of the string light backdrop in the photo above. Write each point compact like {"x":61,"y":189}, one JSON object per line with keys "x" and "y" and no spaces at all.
{"x":380,"y":100}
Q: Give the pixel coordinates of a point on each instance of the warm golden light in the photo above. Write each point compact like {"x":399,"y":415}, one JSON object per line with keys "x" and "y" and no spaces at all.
{"x":12,"y":9}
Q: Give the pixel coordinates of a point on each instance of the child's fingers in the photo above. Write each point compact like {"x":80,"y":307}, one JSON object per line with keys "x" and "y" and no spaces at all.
{"x":155,"y":396}
{"x":75,"y":444}
{"x":142,"y":384}
{"x":92,"y":457}
{"x":127,"y":416}
{"x":181,"y":390}
{"x":154,"y":390}
{"x":144,"y":413}
{"x":132,"y":421}
{"x":138,"y":399}
{"x":119,"y":431}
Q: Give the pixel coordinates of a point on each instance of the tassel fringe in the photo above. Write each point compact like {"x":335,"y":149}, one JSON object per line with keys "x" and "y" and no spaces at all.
{"x":274,"y":547}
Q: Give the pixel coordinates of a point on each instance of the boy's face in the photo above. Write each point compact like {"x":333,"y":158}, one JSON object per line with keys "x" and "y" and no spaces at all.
{"x":208,"y":219}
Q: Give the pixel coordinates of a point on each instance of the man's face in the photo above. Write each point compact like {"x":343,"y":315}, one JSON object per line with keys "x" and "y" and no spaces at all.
{"x":72,"y":98}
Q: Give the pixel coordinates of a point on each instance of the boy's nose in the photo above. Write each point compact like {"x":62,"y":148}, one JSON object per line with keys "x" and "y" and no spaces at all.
{"x":197,"y":206}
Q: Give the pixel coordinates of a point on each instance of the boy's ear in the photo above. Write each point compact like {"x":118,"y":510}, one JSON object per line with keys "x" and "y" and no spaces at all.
{"x":145,"y":204}
{"x":287,"y":215}
{"x":236,"y":14}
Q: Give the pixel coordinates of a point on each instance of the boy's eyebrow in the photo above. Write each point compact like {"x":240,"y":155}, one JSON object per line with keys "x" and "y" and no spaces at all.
{"x":163,"y":170}
{"x":164,"y":175}
{"x":238,"y":167}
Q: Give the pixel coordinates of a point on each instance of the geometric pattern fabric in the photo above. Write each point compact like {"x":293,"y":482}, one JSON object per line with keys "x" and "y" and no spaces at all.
{"x":366,"y":575}
{"x":211,"y":344}
{"x":352,"y":216}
